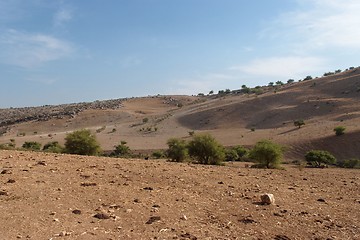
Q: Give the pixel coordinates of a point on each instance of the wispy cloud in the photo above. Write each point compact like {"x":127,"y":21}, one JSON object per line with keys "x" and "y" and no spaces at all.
{"x":63,"y":15}
{"x":201,"y":83}
{"x":30,"y":50}
{"x":283,"y":67}
{"x":319,"y":24}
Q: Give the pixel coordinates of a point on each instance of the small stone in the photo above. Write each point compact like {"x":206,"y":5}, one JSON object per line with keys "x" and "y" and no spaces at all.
{"x":153,"y":219}
{"x":148,"y":188}
{"x":101,"y":216}
{"x":11,"y":181}
{"x":76,"y":211}
{"x":267,"y":198}
{"x":4,"y":193}
{"x":128,"y":210}
{"x":321,"y":200}
{"x":136,"y":200}
{"x":184,"y":217}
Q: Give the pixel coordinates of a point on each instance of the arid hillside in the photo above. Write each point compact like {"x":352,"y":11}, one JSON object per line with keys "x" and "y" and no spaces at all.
{"x":233,"y":118}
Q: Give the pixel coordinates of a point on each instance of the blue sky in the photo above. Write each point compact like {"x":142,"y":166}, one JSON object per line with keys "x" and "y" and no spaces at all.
{"x":64,"y":51}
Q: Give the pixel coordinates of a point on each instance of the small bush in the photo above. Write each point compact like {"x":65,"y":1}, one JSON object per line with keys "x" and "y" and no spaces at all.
{"x":121,"y":149}
{"x":82,"y":142}
{"x":339,"y":130}
{"x":267,"y":154}
{"x":350,"y":163}
{"x":206,"y":150}
{"x":231,"y":155}
{"x":319,"y":158}
{"x":158,"y":154}
{"x":237,"y":153}
{"x":177,"y":150}
{"x":298,"y":123}
{"x":34,"y":146}
{"x":145,"y":120}
{"x":53,"y":147}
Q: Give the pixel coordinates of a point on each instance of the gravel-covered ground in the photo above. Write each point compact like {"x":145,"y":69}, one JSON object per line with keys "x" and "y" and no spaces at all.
{"x":47,"y":196}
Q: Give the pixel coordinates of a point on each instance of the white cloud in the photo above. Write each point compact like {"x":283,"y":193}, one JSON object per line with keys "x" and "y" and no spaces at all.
{"x":319,"y":24}
{"x":284,"y":67}
{"x":30,"y":50}
{"x":201,"y":83}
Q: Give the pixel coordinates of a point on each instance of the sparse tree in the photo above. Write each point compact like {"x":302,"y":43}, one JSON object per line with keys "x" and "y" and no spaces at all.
{"x":267,"y":154}
{"x":206,"y":150}
{"x":53,"y":147}
{"x":298,"y":123}
{"x":339,"y":130}
{"x":308,"y":78}
{"x":34,"y":146}
{"x":122,"y":149}
{"x":290,"y":81}
{"x":319,"y":158}
{"x":177,"y":150}
{"x":82,"y":142}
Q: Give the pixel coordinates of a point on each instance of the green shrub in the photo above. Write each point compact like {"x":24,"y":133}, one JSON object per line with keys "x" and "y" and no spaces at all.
{"x":319,"y":158}
{"x":82,"y":142}
{"x":267,"y":154}
{"x":177,"y":150}
{"x":53,"y":147}
{"x":241,"y":152}
{"x":206,"y":150}
{"x":34,"y":146}
{"x":350,"y":163}
{"x":122,"y":149}
{"x":298,"y":123}
{"x":158,"y":154}
{"x":339,"y":130}
{"x":237,"y":153}
{"x":231,"y":155}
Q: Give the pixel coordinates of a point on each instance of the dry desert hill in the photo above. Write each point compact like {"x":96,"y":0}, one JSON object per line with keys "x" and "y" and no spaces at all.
{"x":63,"y":196}
{"x":146,"y":123}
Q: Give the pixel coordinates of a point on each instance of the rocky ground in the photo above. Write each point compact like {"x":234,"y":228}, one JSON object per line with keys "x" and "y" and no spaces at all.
{"x":49,"y":196}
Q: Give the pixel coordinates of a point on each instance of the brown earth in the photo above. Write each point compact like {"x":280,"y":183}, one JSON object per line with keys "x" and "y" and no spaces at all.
{"x":52,"y":196}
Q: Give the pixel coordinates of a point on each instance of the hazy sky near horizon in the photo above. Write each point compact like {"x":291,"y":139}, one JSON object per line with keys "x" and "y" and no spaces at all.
{"x":64,"y":51}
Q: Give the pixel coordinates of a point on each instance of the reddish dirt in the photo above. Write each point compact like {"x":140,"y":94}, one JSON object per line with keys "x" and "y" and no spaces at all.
{"x":49,"y":196}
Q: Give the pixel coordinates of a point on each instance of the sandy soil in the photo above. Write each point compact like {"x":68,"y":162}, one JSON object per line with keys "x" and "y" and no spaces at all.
{"x":49,"y":196}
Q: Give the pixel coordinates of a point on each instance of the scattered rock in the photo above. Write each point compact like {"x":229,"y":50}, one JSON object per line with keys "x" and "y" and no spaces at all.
{"x":184,"y":217}
{"x":11,"y":181}
{"x":188,"y":236}
{"x":136,"y":200}
{"x":281,"y":237}
{"x":321,"y":200}
{"x":267,"y":198}
{"x":148,"y":188}
{"x":153,"y":219}
{"x":43,"y":163}
{"x":4,"y":193}
{"x":101,"y":216}
{"x":221,"y":182}
{"x":76,"y":211}
{"x":88,"y":184}
{"x":247,"y":220}
{"x":5,"y":171}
